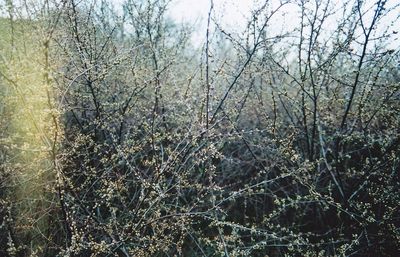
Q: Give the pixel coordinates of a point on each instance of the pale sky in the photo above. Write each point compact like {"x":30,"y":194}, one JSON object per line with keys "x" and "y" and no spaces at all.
{"x":233,"y":11}
{"x":229,"y":12}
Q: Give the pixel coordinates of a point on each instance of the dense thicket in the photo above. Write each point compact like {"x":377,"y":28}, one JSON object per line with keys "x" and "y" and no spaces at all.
{"x":119,"y":137}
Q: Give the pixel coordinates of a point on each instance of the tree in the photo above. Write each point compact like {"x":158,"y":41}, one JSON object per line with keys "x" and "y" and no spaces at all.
{"x":279,"y":139}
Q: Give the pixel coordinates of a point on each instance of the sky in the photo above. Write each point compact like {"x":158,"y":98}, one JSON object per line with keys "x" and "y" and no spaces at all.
{"x":230,"y":12}
{"x":233,"y":11}
{"x":234,"y":14}
{"x":194,"y":12}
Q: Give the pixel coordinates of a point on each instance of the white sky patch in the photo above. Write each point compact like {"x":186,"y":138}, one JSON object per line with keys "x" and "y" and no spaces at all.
{"x":233,"y":12}
{"x":230,"y":13}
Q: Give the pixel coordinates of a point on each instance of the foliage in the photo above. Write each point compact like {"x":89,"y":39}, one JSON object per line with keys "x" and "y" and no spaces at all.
{"x":120,"y":138}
